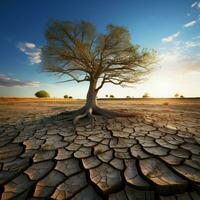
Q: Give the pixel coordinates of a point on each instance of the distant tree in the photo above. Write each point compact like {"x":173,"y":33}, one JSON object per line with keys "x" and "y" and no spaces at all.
{"x":66,"y":96}
{"x":70,"y":97}
{"x":145,"y":95}
{"x":112,"y":96}
{"x":128,"y":97}
{"x":79,"y":52}
{"x":182,"y":96}
{"x":106,"y":96}
{"x":42,"y":94}
{"x":177,"y":95}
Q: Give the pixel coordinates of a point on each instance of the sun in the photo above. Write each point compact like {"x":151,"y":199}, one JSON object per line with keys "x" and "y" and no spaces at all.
{"x":162,"y":87}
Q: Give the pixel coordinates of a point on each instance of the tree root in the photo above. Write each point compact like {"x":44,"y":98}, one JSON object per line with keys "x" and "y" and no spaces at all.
{"x":87,"y":113}
{"x":80,"y":116}
{"x":84,"y":112}
{"x":70,"y":115}
{"x":110,"y":114}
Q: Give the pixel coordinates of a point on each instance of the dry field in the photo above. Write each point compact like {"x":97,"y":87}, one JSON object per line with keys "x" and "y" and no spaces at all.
{"x":142,"y":105}
{"x":155,"y":155}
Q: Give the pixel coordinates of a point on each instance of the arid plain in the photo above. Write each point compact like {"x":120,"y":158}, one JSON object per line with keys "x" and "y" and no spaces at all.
{"x":154,"y":155}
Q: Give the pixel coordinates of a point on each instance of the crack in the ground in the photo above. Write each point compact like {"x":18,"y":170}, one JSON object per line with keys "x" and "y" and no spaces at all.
{"x":101,"y":132}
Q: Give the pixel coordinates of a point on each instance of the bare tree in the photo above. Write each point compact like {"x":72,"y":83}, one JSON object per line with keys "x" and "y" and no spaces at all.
{"x":78,"y":51}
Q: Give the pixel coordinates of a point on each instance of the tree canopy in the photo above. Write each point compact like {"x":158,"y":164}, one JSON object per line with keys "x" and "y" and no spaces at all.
{"x":77,"y":50}
{"x":42,"y":94}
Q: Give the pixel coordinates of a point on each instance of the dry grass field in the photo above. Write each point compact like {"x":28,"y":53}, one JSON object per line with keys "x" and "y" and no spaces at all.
{"x":21,"y":105}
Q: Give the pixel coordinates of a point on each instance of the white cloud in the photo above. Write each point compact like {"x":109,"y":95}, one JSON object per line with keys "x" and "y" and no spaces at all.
{"x":192,"y":44}
{"x":189,"y":24}
{"x":30,"y":49}
{"x":7,"y":81}
{"x":170,"y":38}
{"x":23,"y":46}
{"x":196,"y":5}
{"x":180,"y":63}
{"x":35,"y":57}
{"x":182,"y":58}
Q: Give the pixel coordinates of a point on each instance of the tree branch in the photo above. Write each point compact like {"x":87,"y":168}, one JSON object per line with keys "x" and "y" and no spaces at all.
{"x":102,"y":83}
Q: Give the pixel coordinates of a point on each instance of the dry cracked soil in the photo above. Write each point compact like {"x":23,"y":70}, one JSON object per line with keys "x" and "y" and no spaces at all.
{"x":155,"y":155}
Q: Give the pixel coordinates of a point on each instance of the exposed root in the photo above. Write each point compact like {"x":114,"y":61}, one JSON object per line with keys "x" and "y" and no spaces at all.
{"x":109,"y":114}
{"x":87,"y":113}
{"x":80,"y":116}
{"x":70,"y":115}
{"x":92,"y":117}
{"x":84,"y":112}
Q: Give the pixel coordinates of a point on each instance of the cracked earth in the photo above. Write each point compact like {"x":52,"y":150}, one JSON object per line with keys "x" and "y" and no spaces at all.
{"x":153,"y":156}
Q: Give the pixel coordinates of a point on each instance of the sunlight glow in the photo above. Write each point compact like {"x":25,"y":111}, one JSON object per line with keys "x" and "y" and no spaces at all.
{"x":162,"y":87}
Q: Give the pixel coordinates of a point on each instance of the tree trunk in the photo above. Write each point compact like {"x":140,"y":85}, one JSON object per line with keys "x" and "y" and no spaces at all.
{"x":91,"y":102}
{"x":91,"y":108}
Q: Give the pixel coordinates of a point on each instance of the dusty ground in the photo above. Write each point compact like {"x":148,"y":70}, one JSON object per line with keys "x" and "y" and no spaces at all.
{"x":154,"y":156}
{"x":21,"y":105}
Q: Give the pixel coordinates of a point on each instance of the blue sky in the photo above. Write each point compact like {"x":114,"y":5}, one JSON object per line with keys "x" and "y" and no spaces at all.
{"x":171,"y":27}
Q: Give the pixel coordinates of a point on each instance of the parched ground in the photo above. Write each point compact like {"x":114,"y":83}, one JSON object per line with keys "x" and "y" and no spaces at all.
{"x":155,"y":155}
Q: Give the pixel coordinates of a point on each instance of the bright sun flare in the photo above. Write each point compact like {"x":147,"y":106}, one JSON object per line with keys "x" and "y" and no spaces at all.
{"x":162,"y":87}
